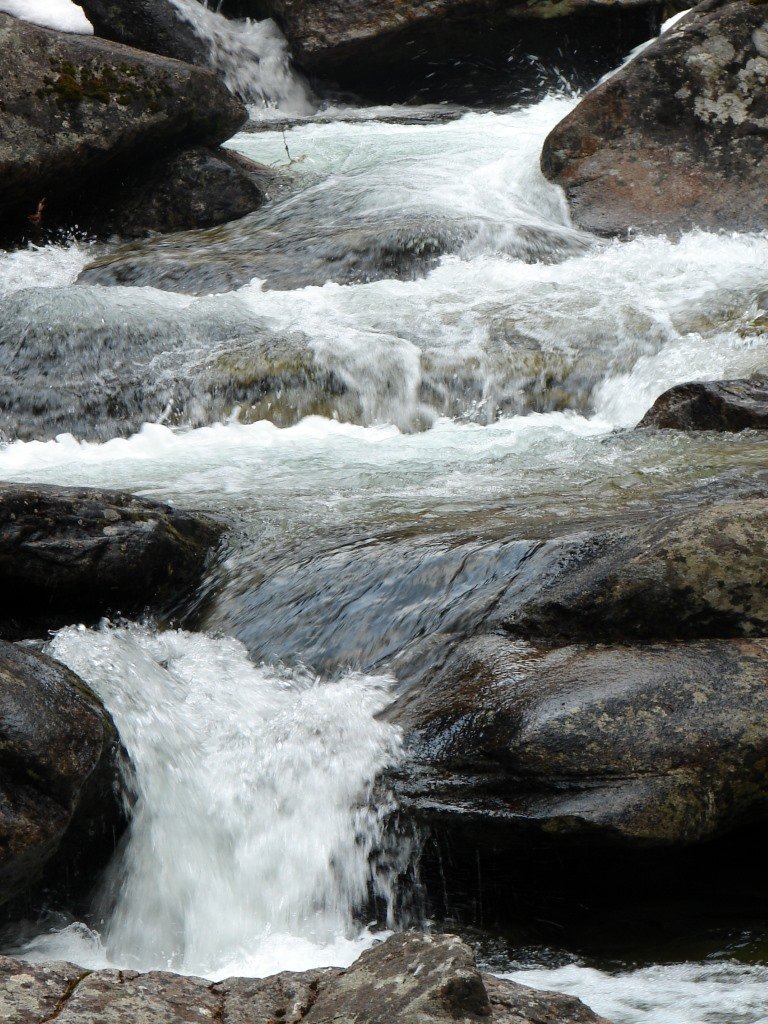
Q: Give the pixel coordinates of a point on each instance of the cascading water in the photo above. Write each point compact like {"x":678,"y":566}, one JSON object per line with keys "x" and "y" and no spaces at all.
{"x":253,"y":59}
{"x":252,"y":832}
{"x":482,"y":397}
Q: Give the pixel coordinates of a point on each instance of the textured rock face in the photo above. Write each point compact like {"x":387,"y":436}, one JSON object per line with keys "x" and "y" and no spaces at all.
{"x":77,"y":107}
{"x":409,"y":979}
{"x":152,"y":25}
{"x":660,"y":745}
{"x":695,"y":574}
{"x":470,"y":50}
{"x":69,"y":555}
{"x":679,"y":137}
{"x":725,"y":405}
{"x":59,"y":772}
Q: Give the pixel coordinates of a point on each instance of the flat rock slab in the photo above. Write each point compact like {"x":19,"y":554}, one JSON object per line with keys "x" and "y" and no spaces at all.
{"x":724,"y":405}
{"x":59,"y":772}
{"x":76,"y":554}
{"x":679,"y":137}
{"x":409,"y":979}
{"x":76,"y":107}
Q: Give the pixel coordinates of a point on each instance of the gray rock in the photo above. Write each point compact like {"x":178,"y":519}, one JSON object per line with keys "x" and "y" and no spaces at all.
{"x":454,"y":49}
{"x":662,"y":745}
{"x":409,"y":979}
{"x":59,"y":776}
{"x":676,"y":139}
{"x":77,"y":109}
{"x":724,"y":405}
{"x":155,"y":26}
{"x":695,"y":573}
{"x":73,"y":555}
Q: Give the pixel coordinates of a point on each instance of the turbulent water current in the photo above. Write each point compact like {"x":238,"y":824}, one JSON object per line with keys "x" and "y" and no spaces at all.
{"x":486,"y":393}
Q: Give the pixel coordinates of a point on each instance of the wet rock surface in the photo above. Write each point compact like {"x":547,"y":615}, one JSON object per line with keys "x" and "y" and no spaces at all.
{"x":698,"y":573}
{"x":102,"y":370}
{"x":454,"y":49}
{"x":75,"y":108}
{"x":677,"y":138}
{"x":658,"y":745}
{"x":200,"y":187}
{"x":408,"y":978}
{"x":155,"y":26}
{"x":725,"y":405}
{"x":76,"y":554}
{"x":60,"y":789}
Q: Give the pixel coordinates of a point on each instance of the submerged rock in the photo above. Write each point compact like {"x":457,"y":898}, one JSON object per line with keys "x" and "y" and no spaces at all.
{"x":156,"y":26}
{"x":408,"y":978}
{"x":677,"y":138}
{"x":473,"y":51}
{"x":724,"y":405}
{"x":655,"y":745}
{"x":60,"y":790}
{"x":77,"y":554}
{"x":76,"y":110}
{"x":99,"y":365}
{"x":696,"y":573}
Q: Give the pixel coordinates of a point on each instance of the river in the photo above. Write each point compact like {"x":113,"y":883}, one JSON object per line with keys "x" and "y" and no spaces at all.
{"x":488,"y":395}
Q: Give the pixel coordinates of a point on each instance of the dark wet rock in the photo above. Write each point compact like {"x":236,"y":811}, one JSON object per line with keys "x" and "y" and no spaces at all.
{"x":696,"y":573}
{"x":196,"y":188}
{"x":100,"y":364}
{"x":155,"y":26}
{"x":677,"y":138}
{"x":76,"y":110}
{"x":724,"y":405}
{"x":60,"y":792}
{"x":660,"y":745}
{"x":465,"y":50}
{"x":408,"y":978}
{"x":76,"y":554}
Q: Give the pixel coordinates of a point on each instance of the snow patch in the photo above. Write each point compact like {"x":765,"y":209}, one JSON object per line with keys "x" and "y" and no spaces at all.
{"x":62,"y":15}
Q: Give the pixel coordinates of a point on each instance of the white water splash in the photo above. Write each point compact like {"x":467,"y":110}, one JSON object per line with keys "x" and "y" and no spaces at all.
{"x":686,"y":993}
{"x":252,"y":57}
{"x":252,"y":832}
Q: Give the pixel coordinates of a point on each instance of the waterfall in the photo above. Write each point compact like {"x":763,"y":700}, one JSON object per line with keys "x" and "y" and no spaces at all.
{"x":252,"y":57}
{"x":253,"y":830}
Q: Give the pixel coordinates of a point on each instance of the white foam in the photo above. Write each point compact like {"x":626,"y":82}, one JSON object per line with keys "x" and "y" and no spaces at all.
{"x":62,"y":15}
{"x":252,"y":832}
{"x":687,"y":993}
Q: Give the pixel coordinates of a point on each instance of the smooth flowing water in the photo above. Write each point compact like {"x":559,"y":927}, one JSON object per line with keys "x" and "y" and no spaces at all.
{"x":483,"y":396}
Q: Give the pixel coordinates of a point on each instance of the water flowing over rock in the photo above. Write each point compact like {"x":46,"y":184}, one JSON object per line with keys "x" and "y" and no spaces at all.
{"x":75,"y":108}
{"x":408,"y":978}
{"x":677,"y":138}
{"x":453,"y":49}
{"x":726,"y":405}
{"x":77,"y":554}
{"x":59,"y":775}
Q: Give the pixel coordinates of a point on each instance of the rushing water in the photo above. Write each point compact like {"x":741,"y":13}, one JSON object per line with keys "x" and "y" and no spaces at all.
{"x":481,"y":397}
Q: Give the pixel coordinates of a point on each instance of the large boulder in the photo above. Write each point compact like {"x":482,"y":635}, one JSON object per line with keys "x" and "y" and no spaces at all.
{"x":467,"y":50}
{"x":677,"y":138}
{"x":156,"y":26}
{"x":60,"y":789}
{"x":76,"y":110}
{"x":74,"y":555}
{"x":697,"y":572}
{"x":542,"y":783}
{"x":409,"y":979}
{"x":724,"y":405}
